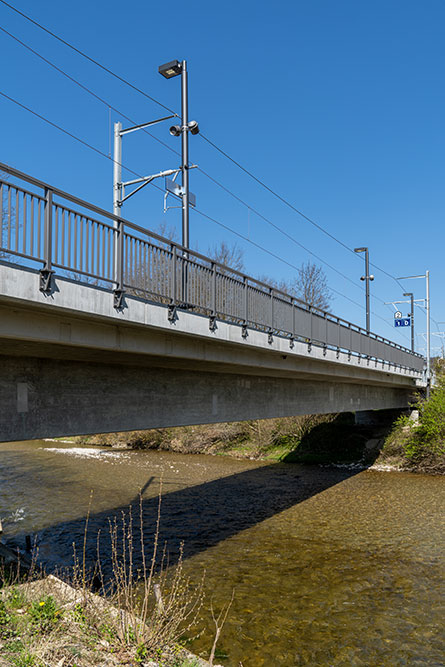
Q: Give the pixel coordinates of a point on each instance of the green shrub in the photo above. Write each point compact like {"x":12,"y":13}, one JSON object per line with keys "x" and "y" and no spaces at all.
{"x":431,"y":430}
{"x":422,"y":444}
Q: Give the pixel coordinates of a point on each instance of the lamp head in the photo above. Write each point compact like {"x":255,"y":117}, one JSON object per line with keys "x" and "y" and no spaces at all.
{"x":360,"y":249}
{"x":171,"y":69}
{"x":371,"y":277}
{"x":193,"y":127}
{"x":175,"y":130}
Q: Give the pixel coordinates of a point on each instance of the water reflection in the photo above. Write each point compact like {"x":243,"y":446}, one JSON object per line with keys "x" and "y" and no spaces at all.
{"x":330,"y":567}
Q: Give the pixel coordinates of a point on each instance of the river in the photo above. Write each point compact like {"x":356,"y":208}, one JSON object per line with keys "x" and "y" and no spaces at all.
{"x":330,"y":566}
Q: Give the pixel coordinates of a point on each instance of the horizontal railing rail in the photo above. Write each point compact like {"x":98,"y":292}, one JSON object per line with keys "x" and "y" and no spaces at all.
{"x":95,"y":245}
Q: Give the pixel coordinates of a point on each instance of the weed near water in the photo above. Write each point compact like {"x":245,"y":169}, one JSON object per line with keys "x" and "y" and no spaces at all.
{"x":140,"y":616}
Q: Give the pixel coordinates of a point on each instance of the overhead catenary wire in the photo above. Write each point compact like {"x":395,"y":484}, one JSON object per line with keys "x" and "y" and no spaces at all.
{"x":85,"y":55}
{"x":142,"y":92}
{"x":202,"y":213}
{"x":207,"y":175}
{"x":85,"y":88}
{"x":126,"y":82}
{"x":294,"y":208}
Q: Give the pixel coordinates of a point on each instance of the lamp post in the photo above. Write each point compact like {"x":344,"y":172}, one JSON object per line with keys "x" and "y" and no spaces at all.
{"x":366,"y":278}
{"x":428,"y":332}
{"x":411,"y":295}
{"x":170,"y":70}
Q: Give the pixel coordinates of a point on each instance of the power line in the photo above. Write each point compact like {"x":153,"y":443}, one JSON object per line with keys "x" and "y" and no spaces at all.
{"x":142,"y":92}
{"x":294,"y":208}
{"x":205,"y":215}
{"x":278,"y":228}
{"x":266,"y":250}
{"x":85,"y":55}
{"x":126,"y":82}
{"x":208,"y":217}
{"x":83,"y":87}
{"x":58,"y":127}
{"x":275,"y":194}
{"x":110,"y":106}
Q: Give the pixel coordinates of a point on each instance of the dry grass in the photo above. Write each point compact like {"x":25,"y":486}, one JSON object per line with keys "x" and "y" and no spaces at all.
{"x":141,"y":615}
{"x":261,"y":438}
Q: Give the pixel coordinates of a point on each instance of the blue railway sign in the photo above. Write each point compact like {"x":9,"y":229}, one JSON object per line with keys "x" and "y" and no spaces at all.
{"x":402,"y":322}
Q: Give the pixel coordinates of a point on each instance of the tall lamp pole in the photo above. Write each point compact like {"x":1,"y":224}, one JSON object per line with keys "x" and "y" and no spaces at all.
{"x":428,"y":331}
{"x":367,"y":278}
{"x":169,"y":70}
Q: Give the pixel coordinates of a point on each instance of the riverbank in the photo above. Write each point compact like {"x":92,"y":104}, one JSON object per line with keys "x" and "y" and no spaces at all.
{"x":311,"y":439}
{"x":46,"y":621}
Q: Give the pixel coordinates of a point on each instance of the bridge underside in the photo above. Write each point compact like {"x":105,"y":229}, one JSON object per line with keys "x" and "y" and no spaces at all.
{"x":70,"y":363}
{"x":43,"y":397}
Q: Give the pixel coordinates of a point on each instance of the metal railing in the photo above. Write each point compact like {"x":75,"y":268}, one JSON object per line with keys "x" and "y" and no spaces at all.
{"x":89,"y":243}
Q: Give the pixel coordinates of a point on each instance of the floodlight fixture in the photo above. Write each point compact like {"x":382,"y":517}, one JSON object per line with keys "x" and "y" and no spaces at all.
{"x":171,"y":69}
{"x":175,"y":130}
{"x":193,"y":127}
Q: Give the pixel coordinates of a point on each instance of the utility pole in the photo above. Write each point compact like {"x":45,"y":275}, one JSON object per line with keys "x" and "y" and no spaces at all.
{"x":411,"y":295}
{"x":426,"y":275}
{"x":117,"y":170}
{"x":185,"y":155}
{"x":367,"y":278}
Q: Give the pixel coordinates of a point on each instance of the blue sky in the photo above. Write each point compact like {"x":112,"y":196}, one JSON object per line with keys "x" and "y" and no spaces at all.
{"x":337,"y":106}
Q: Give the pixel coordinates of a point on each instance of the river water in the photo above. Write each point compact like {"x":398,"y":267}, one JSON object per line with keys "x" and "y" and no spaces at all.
{"x":330,"y":566}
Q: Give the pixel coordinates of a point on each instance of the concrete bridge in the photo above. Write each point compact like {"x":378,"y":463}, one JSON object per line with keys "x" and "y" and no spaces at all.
{"x":105,"y":326}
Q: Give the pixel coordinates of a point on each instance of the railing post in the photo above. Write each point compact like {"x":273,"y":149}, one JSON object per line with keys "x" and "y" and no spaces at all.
{"x":47,"y":271}
{"x":174,"y":301}
{"x":338,"y":337}
{"x":212,"y":318}
{"x":270,"y":336}
{"x":246,"y":308}
{"x":292,"y":336}
{"x":119,"y":254}
{"x":309,"y":342}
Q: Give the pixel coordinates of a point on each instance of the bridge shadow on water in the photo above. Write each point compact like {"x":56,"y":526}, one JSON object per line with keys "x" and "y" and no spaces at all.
{"x":200,"y":516}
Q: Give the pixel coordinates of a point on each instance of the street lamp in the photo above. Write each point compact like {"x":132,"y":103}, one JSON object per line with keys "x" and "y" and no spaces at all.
{"x":170,"y":70}
{"x":411,"y":295}
{"x":428,"y":332}
{"x":366,"y":278}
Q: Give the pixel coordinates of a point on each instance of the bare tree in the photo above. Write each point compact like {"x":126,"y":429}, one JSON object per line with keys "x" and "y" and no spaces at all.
{"x":167,"y":231}
{"x":231,"y":256}
{"x":311,"y":285}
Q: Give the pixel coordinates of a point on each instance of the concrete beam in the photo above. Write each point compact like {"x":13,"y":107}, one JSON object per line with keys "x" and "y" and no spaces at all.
{"x":79,"y":321}
{"x":55,"y":397}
